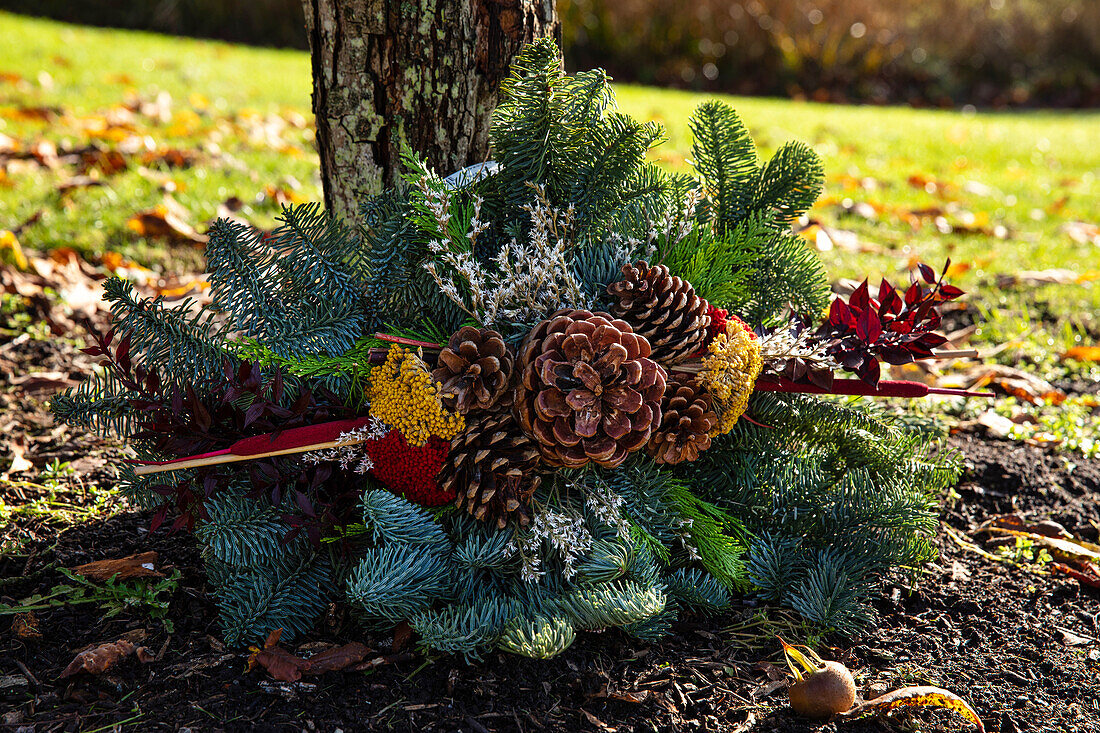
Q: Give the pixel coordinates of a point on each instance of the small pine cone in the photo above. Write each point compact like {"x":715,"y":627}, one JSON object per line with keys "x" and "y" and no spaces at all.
{"x":663,"y":308}
{"x":687,"y":420}
{"x":588,"y":391}
{"x":475,"y":368}
{"x":491,"y":468}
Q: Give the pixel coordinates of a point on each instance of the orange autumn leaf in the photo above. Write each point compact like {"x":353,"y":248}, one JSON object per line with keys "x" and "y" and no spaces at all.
{"x":10,"y":250}
{"x":142,"y":565}
{"x":957,"y":268}
{"x":1082,"y":353}
{"x":922,"y":696}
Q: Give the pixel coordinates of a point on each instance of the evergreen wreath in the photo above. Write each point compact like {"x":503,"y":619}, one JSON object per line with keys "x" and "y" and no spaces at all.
{"x":562,"y":391}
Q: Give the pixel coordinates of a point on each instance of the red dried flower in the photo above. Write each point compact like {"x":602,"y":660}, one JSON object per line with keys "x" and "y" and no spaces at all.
{"x":410,"y":471}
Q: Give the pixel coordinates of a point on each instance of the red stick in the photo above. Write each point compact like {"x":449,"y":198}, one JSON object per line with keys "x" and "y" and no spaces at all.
{"x":407,"y":342}
{"x":293,"y":440}
{"x":886,"y":388}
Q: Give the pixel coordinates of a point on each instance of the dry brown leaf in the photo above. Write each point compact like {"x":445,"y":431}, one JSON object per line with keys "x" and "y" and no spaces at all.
{"x":42,"y":381}
{"x":922,"y":696}
{"x":1016,"y":382}
{"x":337,"y":658}
{"x":163,"y":222}
{"x":25,"y":626}
{"x":108,"y":162}
{"x":1089,"y":575}
{"x":101,"y":658}
{"x":142,"y":565}
{"x":401,"y":635}
{"x":279,"y":663}
{"x":287,"y":667}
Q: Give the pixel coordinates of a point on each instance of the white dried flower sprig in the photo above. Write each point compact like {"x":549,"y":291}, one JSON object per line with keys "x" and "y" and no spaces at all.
{"x":606,"y":506}
{"x":351,"y":455}
{"x":784,"y":344}
{"x":561,"y":533}
{"x":528,"y":279}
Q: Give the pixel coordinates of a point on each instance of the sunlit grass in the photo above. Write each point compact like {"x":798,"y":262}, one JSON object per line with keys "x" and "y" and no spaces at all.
{"x":1020,"y":175}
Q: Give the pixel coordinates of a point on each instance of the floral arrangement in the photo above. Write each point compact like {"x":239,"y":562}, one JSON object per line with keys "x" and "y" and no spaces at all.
{"x":562,"y":391}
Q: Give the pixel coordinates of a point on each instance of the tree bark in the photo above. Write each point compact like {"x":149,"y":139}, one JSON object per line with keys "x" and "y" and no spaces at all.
{"x":425,"y":70}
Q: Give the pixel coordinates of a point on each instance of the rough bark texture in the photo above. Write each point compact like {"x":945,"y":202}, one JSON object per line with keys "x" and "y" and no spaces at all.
{"x":428,"y":70}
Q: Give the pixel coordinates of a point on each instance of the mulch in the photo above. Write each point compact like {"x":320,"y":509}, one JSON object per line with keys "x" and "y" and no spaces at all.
{"x":1020,"y":647}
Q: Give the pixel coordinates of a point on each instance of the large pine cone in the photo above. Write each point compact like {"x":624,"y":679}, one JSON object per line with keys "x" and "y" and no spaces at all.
{"x":588,"y":390}
{"x":687,"y":420}
{"x":491,"y":468}
{"x":474,"y":368}
{"x":663,"y":308}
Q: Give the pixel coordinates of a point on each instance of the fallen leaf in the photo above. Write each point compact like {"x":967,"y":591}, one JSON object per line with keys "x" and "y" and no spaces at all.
{"x":1090,"y":576}
{"x":1045,"y":527}
{"x":959,"y":571}
{"x":1070,"y":638}
{"x":401,"y":635}
{"x":19,"y":462}
{"x":42,"y":381}
{"x":916,"y":697}
{"x":178,"y":291}
{"x":101,"y":658}
{"x":337,"y":658}
{"x":1082,"y":232}
{"x":279,"y":663}
{"x":596,"y":721}
{"x":11,"y":252}
{"x":1036,"y":278}
{"x":287,"y":667}
{"x":996,"y":425}
{"x":161,"y":222}
{"x":1082,"y":353}
{"x":142,"y":565}
{"x":25,"y":626}
{"x":1023,"y":385}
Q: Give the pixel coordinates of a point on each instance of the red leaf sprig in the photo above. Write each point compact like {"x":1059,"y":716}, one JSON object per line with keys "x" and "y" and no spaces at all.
{"x":895,"y":327}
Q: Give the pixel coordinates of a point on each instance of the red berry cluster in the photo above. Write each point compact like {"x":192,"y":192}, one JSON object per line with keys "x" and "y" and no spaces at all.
{"x":719,"y":319}
{"x":410,"y":471}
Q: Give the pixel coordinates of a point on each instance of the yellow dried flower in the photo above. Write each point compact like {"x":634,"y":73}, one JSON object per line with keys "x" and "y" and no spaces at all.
{"x":403,"y":395}
{"x":730,"y":373}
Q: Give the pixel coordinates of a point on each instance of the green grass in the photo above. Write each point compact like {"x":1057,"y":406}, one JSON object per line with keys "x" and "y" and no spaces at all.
{"x":1027,"y":172}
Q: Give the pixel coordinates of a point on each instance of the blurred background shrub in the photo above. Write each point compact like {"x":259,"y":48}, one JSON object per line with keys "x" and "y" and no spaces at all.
{"x":938,"y":52}
{"x":920,"y":52}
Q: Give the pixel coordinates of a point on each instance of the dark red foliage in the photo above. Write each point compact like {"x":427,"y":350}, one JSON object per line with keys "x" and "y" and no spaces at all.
{"x":895,"y":328}
{"x":183,"y":420}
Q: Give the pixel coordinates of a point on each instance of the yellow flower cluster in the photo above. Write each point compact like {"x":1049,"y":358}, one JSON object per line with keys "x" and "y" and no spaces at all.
{"x":730,"y":373}
{"x":403,"y":395}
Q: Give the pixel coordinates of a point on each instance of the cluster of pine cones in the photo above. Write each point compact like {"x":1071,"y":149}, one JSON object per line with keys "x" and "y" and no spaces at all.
{"x":586,"y":387}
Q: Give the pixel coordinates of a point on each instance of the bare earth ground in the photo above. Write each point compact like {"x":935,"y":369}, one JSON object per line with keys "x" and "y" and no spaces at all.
{"x":992,"y":633}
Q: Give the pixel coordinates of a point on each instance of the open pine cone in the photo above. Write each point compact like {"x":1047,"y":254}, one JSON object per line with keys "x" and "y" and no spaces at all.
{"x":588,"y":390}
{"x":663,"y":308}
{"x":474,"y":368}
{"x":687,"y":419}
{"x":491,"y":468}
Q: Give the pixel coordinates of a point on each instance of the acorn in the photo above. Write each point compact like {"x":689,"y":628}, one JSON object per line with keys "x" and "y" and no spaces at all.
{"x":821,"y":689}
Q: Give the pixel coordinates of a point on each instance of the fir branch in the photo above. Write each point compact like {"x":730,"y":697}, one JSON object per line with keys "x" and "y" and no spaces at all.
{"x":538,"y":637}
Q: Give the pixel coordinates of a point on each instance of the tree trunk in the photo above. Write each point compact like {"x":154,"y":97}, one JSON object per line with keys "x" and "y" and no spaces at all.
{"x":425,"y":70}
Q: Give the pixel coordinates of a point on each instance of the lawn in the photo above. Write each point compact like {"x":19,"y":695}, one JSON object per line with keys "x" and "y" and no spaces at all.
{"x":997,"y":192}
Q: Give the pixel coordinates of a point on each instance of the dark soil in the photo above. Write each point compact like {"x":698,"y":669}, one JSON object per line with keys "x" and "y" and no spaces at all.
{"x":992,"y":633}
